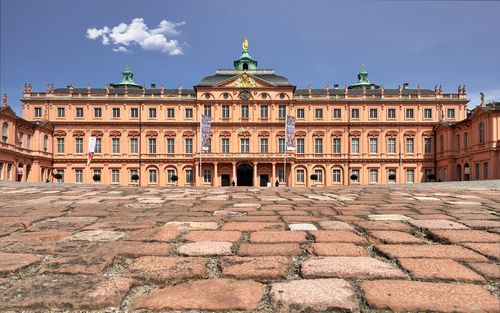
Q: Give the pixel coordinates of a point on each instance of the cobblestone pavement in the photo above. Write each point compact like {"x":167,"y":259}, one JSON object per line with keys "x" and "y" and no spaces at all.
{"x":427,"y":247}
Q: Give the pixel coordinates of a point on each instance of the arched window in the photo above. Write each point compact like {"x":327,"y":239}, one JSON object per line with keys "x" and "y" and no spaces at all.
{"x":5,"y":132}
{"x":245,"y":66}
{"x":481,"y":132}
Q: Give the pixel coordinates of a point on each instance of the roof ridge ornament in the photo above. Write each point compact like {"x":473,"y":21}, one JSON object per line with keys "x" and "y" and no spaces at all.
{"x":244,"y":44}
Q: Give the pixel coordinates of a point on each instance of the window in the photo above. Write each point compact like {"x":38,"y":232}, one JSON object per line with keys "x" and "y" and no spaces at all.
{"x":152,"y":112}
{"x":318,"y":145}
{"x":134,"y":145}
{"x":189,"y":176}
{"x":244,"y":147}
{"x":116,"y":112}
{"x":1,"y":170}
{"x":28,"y":141}
{"x":355,"y":113}
{"x":476,"y":171}
{"x":170,"y":145}
{"x":134,"y":172}
{"x":451,"y":113}
{"x":373,"y":145}
{"x":410,"y":176}
{"x":337,"y":113}
{"x":207,"y":176}
{"x":427,"y":173}
{"x":188,"y":113}
{"x":153,"y":176}
{"x":60,"y":145}
{"x":61,"y":180}
{"x":391,"y":113}
{"x":300,"y":145}
{"x":355,"y":145}
{"x":5,"y":132}
{"x":20,"y":139}
{"x":38,"y":112}
{"x":457,"y":142}
{"x":466,"y":140}
{"x":170,"y":113}
{"x":98,"y":173}
{"x":97,"y":112}
{"x":188,"y":146}
{"x":79,"y":145}
{"x":373,"y":176}
{"x":409,"y":113}
{"x":373,"y":113}
{"x":441,"y":143}
{"x":485,"y":170}
{"x":116,"y":145}
{"x":152,"y":145}
{"x":428,"y":145}
{"x":45,"y":143}
{"x":409,"y":145}
{"x":481,"y":133}
{"x":391,"y":145}
{"x":79,"y":112}
{"x":225,"y":145}
{"x":134,"y":112}
{"x":318,"y":113}
{"x":264,"y":144}
{"x":78,"y":176}
{"x":225,"y":111}
{"x":281,"y":111}
{"x":61,"y":112}
{"x":281,"y":175}
{"x":391,"y":177}
{"x":9,"y":171}
{"x":336,"y":145}
{"x":207,"y":110}
{"x":336,"y":176}
{"x":244,"y":111}
{"x":355,"y":172}
{"x":264,"y":111}
{"x":319,"y":175}
{"x":300,"y":113}
{"x":300,"y":176}
{"x":281,"y":145}
{"x":427,"y":113}
{"x":209,"y":146}
{"x":170,"y":173}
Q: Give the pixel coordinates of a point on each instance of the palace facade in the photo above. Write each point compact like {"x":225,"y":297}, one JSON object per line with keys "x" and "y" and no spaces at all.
{"x":357,"y":134}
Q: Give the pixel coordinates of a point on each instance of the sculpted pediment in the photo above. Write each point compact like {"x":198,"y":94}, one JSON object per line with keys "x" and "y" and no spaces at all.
{"x":244,"y":80}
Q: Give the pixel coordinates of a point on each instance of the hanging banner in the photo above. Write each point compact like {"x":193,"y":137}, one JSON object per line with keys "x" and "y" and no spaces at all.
{"x":290,"y":133}
{"x":205,"y":126}
{"x":90,"y":155}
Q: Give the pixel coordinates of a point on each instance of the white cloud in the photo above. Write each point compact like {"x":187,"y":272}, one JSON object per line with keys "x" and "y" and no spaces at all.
{"x":138,"y":33}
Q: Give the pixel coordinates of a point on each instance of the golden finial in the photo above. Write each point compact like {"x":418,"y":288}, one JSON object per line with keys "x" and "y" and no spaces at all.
{"x":244,"y":44}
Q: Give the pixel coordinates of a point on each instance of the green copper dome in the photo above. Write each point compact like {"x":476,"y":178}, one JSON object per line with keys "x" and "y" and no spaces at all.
{"x":363,"y":79}
{"x":127,"y":79}
{"x":245,"y":62}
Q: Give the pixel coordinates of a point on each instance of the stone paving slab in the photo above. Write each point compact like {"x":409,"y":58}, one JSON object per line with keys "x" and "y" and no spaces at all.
{"x":93,"y":248}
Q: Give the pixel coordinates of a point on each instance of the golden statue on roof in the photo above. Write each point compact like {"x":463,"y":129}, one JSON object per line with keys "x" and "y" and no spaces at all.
{"x":244,"y":44}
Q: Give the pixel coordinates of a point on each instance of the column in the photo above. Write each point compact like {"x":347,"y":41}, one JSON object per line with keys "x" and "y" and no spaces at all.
{"x":234,"y":174}
{"x":256,"y":183}
{"x":273,"y":177}
{"x":216,"y":178}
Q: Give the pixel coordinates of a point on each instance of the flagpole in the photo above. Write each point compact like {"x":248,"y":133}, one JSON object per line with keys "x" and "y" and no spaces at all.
{"x":284,"y":163}
{"x":201,"y":150}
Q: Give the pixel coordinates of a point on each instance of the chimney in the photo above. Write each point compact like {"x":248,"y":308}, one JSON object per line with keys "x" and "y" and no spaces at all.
{"x":153,"y":86}
{"x":405,"y":85}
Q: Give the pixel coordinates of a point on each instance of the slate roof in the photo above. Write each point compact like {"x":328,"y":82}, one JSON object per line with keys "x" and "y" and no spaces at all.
{"x":218,"y":78}
{"x":121,"y":91}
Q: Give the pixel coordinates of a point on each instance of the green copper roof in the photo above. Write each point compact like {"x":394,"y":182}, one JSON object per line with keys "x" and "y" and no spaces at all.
{"x":127,"y":78}
{"x":245,"y":62}
{"x":363,"y":79}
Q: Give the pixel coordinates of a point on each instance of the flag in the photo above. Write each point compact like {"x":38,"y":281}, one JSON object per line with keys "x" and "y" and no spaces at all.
{"x":205,"y":126}
{"x":290,"y":133}
{"x":90,"y":155}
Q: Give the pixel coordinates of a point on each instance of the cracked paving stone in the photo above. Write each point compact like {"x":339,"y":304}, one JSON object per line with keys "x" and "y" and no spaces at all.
{"x":265,"y":267}
{"x":10,"y":262}
{"x":97,"y":235}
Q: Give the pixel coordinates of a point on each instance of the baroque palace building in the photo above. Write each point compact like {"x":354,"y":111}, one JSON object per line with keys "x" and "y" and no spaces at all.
{"x":357,"y":134}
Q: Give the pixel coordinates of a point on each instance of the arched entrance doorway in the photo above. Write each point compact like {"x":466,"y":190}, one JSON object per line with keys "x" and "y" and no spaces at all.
{"x":466,"y":171}
{"x":459,"y":172}
{"x":245,"y":175}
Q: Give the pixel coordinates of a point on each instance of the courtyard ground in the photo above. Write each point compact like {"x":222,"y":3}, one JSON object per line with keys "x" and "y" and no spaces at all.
{"x":427,"y":247}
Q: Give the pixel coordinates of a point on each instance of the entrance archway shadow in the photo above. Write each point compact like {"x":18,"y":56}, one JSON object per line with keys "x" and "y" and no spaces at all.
{"x":245,"y":175}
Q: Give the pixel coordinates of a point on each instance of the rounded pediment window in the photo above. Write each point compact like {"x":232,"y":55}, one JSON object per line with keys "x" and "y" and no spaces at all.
{"x":282,"y":96}
{"x":225,"y":95}
{"x":264,"y":96}
{"x":207,"y":96}
{"x":245,"y":95}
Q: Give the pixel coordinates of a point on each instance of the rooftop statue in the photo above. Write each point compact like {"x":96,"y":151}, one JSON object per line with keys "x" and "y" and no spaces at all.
{"x":244,"y":44}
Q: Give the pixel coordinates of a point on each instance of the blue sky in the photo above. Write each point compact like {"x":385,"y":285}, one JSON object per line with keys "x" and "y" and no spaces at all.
{"x":310,"y":42}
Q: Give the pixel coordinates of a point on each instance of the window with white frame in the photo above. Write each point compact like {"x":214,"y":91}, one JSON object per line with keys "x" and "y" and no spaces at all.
{"x":225,"y":111}
{"x":355,"y":175}
{"x":391,"y":114}
{"x":318,"y":113}
{"x":79,"y":112}
{"x":20,"y":139}
{"x":38,"y":112}
{"x":337,"y":145}
{"x":281,"y":145}
{"x":373,"y":175}
{"x":170,"y":145}
{"x":60,"y":145}
{"x":355,"y":113}
{"x":78,"y":176}
{"x":337,"y":113}
{"x":245,"y":112}
{"x":318,"y":145}
{"x":300,"y":145}
{"x":188,"y":145}
{"x":457,"y":142}
{"x":373,"y":113}
{"x":134,"y":145}
{"x":264,"y":145}
{"x":410,"y":176}
{"x":373,"y":145}
{"x":300,"y":176}
{"x":188,"y":113}
{"x":170,"y":113}
{"x":115,"y":176}
{"x":481,"y":133}
{"x":466,"y":140}
{"x":170,"y":173}
{"x":189,"y":176}
{"x":409,"y":113}
{"x":133,"y":173}
{"x":28,"y":141}
{"x":281,"y":111}
{"x":134,"y":112}
{"x":301,"y":113}
{"x":225,"y":145}
{"x":355,"y":145}
{"x":391,"y":145}
{"x":207,"y":110}
{"x":153,"y":176}
{"x":264,"y":111}
{"x":207,"y":176}
{"x":319,"y":175}
{"x":97,"y":112}
{"x":115,"y":143}
{"x":79,"y":145}
{"x":281,"y":175}
{"x":98,"y":173}
{"x":244,"y":145}
{"x":451,"y":113}
{"x":410,"y":147}
{"x":427,"y":113}
{"x":428,"y":145}
{"x":427,"y":173}
{"x":152,"y":145}
{"x":61,"y":112}
{"x":116,"y":112}
{"x":391,"y":175}
{"x":152,"y":113}
{"x":60,"y":180}
{"x":337,"y":177}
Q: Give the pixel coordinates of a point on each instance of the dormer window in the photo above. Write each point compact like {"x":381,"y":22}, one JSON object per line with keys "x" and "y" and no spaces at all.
{"x":245,"y":66}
